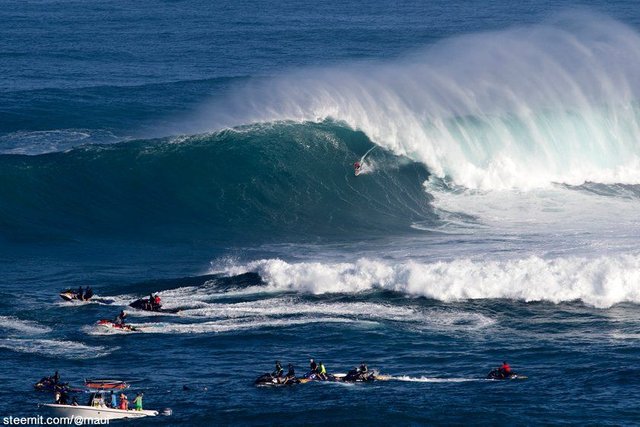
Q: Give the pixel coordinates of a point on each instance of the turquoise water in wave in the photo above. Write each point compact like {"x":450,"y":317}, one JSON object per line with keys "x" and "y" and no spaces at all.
{"x":204,"y":151}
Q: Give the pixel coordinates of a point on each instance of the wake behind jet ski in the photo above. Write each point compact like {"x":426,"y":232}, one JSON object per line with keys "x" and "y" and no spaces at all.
{"x":153,"y":303}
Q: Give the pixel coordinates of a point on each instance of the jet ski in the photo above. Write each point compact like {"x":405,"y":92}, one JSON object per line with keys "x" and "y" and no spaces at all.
{"x":48,"y":384}
{"x":274,"y":381}
{"x":312,"y":376}
{"x":71,"y":295}
{"x":499,"y":374}
{"x":355,"y":375}
{"x":146,"y":305}
{"x":110,"y":325}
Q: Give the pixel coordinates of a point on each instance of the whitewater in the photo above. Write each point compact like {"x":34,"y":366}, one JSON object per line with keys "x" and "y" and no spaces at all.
{"x":519,"y":108}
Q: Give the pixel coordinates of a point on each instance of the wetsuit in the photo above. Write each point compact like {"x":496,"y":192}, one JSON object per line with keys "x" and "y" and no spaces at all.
{"x":120,"y":318}
{"x":279,"y":371}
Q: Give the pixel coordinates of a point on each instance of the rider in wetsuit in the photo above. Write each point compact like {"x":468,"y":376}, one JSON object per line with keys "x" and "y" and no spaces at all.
{"x":279,"y":371}
{"x":119,"y":320}
{"x":291,"y":374}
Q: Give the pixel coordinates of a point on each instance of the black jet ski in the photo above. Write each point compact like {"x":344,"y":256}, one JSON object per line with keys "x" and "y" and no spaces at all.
{"x":499,"y":374}
{"x":146,"y":305}
{"x":355,"y":375}
{"x":312,"y":376}
{"x":274,"y":381}
{"x":49,"y":384}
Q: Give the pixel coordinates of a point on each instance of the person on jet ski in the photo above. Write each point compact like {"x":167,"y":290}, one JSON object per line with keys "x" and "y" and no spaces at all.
{"x":156,"y":301}
{"x":291,"y":375}
{"x":505,"y":369}
{"x":88,"y":294}
{"x":322,"y":371}
{"x":80,"y":293}
{"x":313,"y":366}
{"x":119,"y":320}
{"x":357,"y":166}
{"x":56,"y":378}
{"x":363,"y":368}
{"x":278,"y":371}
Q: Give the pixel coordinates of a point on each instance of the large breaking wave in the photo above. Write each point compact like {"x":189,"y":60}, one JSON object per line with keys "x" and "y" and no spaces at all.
{"x":519,"y":109}
{"x":523,"y":107}
{"x":280,"y":179}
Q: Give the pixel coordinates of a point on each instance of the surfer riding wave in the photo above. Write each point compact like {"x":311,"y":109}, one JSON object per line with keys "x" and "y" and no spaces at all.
{"x":359,"y":166}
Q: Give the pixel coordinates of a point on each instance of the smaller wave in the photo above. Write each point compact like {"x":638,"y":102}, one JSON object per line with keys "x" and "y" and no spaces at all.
{"x":12,"y":325}
{"x":600,"y":282}
{"x":62,"y":349}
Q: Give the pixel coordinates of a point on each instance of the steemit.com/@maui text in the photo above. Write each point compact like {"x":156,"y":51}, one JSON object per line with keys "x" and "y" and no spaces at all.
{"x":40,"y":420}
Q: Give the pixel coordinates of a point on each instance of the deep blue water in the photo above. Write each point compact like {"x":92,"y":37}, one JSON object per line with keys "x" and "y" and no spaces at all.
{"x":204,"y":151}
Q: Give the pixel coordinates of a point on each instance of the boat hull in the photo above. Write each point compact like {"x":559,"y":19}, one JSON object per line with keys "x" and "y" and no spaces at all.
{"x":69,"y":411}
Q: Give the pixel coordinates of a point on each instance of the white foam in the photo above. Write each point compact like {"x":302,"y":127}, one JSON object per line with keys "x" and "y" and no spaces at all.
{"x":432,"y":379}
{"x":56,"y":348}
{"x":598,"y":281}
{"x":626,"y":336}
{"x":12,"y":325}
{"x":415,"y":319}
{"x":558,"y":213}
{"x":239,"y":325}
{"x":291,"y":307}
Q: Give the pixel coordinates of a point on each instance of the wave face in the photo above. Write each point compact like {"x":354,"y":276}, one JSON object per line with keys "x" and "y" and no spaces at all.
{"x":278,"y":179}
{"x":520,"y":108}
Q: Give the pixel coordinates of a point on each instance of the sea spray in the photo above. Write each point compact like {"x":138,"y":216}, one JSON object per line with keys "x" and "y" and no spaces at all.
{"x":522,"y":107}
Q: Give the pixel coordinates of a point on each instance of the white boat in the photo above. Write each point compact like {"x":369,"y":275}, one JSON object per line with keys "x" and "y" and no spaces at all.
{"x":96,"y":412}
{"x":97,"y":409}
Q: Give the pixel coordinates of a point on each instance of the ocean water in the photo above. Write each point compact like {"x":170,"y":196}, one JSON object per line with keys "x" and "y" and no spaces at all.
{"x":204,"y":151}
